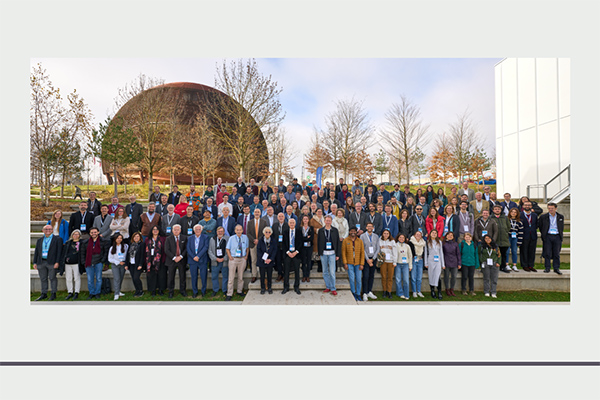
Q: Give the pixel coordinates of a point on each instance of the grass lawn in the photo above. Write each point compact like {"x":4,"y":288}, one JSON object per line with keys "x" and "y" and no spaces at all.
{"x":60,"y":296}
{"x":502,"y":296}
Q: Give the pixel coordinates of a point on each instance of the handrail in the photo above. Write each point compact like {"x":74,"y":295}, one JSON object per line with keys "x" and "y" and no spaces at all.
{"x":545,"y":185}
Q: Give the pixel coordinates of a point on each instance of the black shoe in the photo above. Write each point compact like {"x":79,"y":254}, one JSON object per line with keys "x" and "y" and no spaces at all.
{"x":42,"y":297}
{"x":506,"y":270}
{"x":263,"y":291}
{"x":52,"y":296}
{"x":69,"y":297}
{"x":546,"y":271}
{"x":90,"y":297}
{"x":214,"y":294}
{"x":439,"y":296}
{"x":194,"y":295}
{"x":556,"y":271}
{"x":153,"y":294}
{"x":297,"y":291}
{"x":433,"y":293}
{"x":284,"y":291}
{"x":170,"y":295}
{"x":184,"y":293}
{"x":160,"y":293}
{"x":75,"y":296}
{"x":228,"y":298}
{"x":270,"y":291}
{"x":138,"y":294}
{"x":241,"y":294}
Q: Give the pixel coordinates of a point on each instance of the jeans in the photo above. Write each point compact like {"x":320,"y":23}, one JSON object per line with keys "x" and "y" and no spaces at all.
{"x":94,"y":272}
{"x":402,"y":280}
{"x":512,"y":250}
{"x":215,"y":277}
{"x":202,"y":269}
{"x":329,"y":271}
{"x":355,"y":278}
{"x":118,"y":274}
{"x":416,"y":275}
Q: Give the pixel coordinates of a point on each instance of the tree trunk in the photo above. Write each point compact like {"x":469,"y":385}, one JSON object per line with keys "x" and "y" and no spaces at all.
{"x":62,"y":188}
{"x":116,"y":180}
{"x":192,"y":178}
{"x":125,"y":182}
{"x":150,"y":180}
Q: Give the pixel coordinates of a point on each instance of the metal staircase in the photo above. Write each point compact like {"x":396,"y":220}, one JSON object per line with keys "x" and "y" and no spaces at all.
{"x":564,"y":189}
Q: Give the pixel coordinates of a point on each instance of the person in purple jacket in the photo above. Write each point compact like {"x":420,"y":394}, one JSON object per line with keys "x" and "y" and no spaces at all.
{"x":452,"y":261}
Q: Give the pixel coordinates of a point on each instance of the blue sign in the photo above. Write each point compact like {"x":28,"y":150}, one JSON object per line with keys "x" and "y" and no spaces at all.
{"x":319,"y":176}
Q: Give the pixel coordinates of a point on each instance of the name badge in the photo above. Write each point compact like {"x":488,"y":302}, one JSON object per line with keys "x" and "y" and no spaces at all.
{"x":190,"y":202}
{"x":371,"y":249}
{"x":44,"y":254}
{"x":219,"y":252}
{"x":157,"y":203}
{"x":238,"y":252}
{"x":129,"y":216}
{"x":358,"y":227}
{"x":121,"y":256}
{"x":483,"y":233}
{"x":445,"y":230}
{"x":405,"y":260}
{"x":112,"y":215}
{"x":328,"y":246}
{"x":189,"y":231}
{"x":152,"y":252}
{"x":265,"y":256}
{"x":82,"y":228}
{"x":553,"y":232}
{"x":466,"y":228}
{"x":388,"y":257}
{"x":490,"y":261}
{"x":420,"y":229}
{"x":306,"y":244}
{"x":514,"y":235}
{"x":436,"y":258}
{"x":168,"y":229}
{"x":132,"y":260}
{"x":292,"y":248}
{"x":280,"y":238}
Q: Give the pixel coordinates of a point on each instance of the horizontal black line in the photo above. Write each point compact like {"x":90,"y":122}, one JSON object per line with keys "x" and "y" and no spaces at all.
{"x":298,"y":363}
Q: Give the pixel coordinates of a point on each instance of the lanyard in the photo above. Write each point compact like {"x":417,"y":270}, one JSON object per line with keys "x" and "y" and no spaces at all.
{"x":486,"y":223}
{"x":370,"y":240}
{"x":420,"y":219}
{"x":83,"y":217}
{"x":489,"y":252}
{"x":528,"y":216}
{"x":388,"y":220}
{"x":327,"y":235}
{"x":171,"y":219}
{"x":371,"y":218}
{"x":464,"y":218}
{"x":305,"y":231}
{"x":219,"y":241}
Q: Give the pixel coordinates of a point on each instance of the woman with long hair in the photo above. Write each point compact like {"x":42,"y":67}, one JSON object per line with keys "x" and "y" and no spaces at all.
{"x":60,"y":227}
{"x":387,"y":244}
{"x":416,"y":274}
{"x":404,"y":266}
{"x":307,"y":247}
{"x":451,"y":223}
{"x":71,"y":260}
{"x":134,"y":262}
{"x":442,"y":197}
{"x":120,"y":224}
{"x":357,"y":196}
{"x":349,"y":206}
{"x":181,"y":208}
{"x":404,"y":224}
{"x":515,"y":236}
{"x":154,"y":262}
{"x":341,"y":224}
{"x":317,"y":222}
{"x":434,"y":221}
{"x":295,"y":208}
{"x":452,"y":262}
{"x":410,"y":206}
{"x":434,"y":262}
{"x":437,"y":204}
{"x":429,"y":194}
{"x":469,"y":263}
{"x":117,"y":256}
{"x":489,"y":256}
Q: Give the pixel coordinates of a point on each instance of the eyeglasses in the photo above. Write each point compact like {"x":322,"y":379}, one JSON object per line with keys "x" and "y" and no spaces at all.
{"x":419,"y":209}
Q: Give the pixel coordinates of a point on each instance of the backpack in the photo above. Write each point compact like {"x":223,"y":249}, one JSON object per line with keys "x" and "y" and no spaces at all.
{"x":106,"y":286}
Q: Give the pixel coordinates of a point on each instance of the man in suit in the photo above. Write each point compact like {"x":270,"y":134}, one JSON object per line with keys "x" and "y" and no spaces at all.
{"x":529,"y":243}
{"x":46,"y":260}
{"x":271,"y":218}
{"x":82,"y":220}
{"x":292,"y":243}
{"x":188,"y":221}
{"x":211,"y":207}
{"x":169,"y":221}
{"x":238,"y":207}
{"x":468,"y":191}
{"x":552,"y":226}
{"x":493,"y":201}
{"x":254,"y":231}
{"x":175,"y":252}
{"x":227,"y":221}
{"x":163,"y":206}
{"x":240,"y":186}
{"x":102,"y":222}
{"x":339,"y":187}
{"x":375,"y":219}
{"x":134,"y":211}
{"x":507,"y":204}
{"x":478,"y":205}
{"x":358,"y":218}
{"x":244,"y":218}
{"x":278,"y":227}
{"x":197,"y":257}
{"x":174,"y":195}
{"x":93,"y":204}
{"x":155,"y":196}
{"x":249,"y":196}
{"x":329,"y":249}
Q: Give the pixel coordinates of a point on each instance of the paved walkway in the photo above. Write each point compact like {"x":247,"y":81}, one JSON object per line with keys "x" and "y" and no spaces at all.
{"x":307,"y":297}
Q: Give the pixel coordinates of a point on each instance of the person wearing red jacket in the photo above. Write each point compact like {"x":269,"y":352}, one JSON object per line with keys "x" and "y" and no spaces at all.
{"x":434,"y":221}
{"x":181,"y":208}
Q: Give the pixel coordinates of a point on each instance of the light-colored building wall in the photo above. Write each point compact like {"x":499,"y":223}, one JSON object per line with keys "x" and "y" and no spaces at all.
{"x":532,"y":124}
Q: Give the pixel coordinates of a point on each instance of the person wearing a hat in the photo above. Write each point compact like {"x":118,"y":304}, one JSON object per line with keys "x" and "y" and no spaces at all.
{"x":209,"y":224}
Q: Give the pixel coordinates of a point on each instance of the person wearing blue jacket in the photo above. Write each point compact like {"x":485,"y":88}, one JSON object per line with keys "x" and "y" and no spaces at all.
{"x":197,"y":253}
{"x":266,"y":253}
{"x":60,"y":226}
{"x":227,"y":222}
{"x":508,"y":204}
{"x":451,"y":223}
{"x":390,"y":222}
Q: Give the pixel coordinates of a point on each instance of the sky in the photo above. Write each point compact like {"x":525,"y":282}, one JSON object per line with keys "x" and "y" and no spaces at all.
{"x":442,"y":88}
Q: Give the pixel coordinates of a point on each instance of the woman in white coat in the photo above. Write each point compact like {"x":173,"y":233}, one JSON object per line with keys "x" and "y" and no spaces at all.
{"x":387,"y":246}
{"x":434,"y":262}
{"x":341,"y":224}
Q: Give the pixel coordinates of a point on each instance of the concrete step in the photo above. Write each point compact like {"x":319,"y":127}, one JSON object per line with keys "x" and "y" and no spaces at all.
{"x":314,"y":284}
{"x":75,"y":207}
{"x":66,"y":215}
{"x":306,"y":297}
{"x":506,"y":282}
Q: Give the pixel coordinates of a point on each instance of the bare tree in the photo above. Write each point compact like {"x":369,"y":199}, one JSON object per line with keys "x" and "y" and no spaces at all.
{"x":55,"y":128}
{"x":403,"y":134}
{"x":464,"y":139}
{"x":133,"y":88}
{"x":317,"y":156}
{"x":248,"y":117}
{"x":441,"y":159}
{"x":281,"y":156}
{"x":331,"y":139}
{"x":350,"y":125}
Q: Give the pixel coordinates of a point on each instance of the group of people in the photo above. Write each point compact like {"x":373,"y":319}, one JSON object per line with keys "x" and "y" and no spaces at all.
{"x":292,"y":228}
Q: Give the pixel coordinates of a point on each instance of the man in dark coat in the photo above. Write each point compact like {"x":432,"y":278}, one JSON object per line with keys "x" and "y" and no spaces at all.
{"x":46,"y":261}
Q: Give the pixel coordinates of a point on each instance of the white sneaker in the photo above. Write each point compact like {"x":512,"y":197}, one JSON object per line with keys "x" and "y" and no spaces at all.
{"x":121,"y":294}
{"x":365,"y":298}
{"x":415,"y":295}
{"x":371,"y":295}
{"x":487,"y":295}
{"x":494,"y":296}
{"x":116,"y":297}
{"x":402,"y":297}
{"x":407,"y":298}
{"x":420,"y":294}
{"x":514,"y":268}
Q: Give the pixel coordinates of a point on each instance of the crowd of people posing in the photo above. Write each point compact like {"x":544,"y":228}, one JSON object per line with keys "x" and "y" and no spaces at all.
{"x":293,"y":228}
